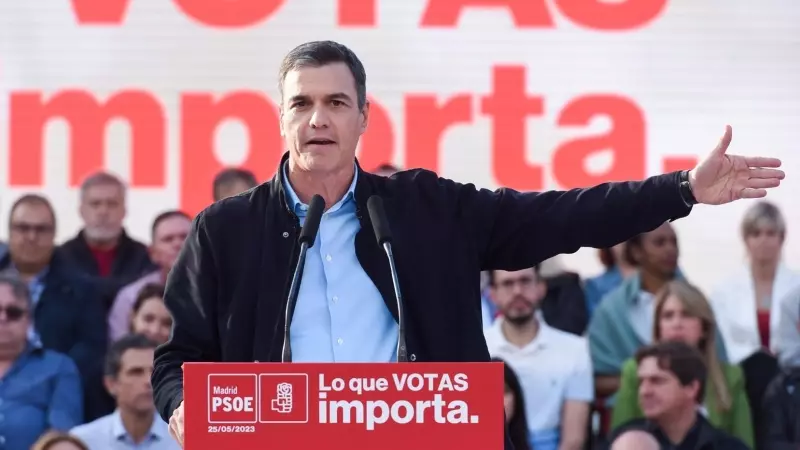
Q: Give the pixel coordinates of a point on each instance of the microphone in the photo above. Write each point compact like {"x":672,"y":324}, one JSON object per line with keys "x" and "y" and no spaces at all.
{"x":380,"y":224}
{"x":306,"y":239}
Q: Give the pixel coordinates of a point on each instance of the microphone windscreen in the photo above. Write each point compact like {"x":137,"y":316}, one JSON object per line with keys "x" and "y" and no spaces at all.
{"x":380,"y":224}
{"x":309,"y":232}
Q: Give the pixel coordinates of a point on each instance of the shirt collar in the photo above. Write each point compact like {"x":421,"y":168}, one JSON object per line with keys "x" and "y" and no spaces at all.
{"x":158,"y":429}
{"x":542,"y":339}
{"x":36,"y":279}
{"x":299,"y":207}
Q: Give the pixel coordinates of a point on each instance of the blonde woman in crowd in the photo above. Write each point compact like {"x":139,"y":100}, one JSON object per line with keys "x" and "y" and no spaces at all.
{"x":746,"y":304}
{"x":683,"y":313}
{"x":56,"y":440}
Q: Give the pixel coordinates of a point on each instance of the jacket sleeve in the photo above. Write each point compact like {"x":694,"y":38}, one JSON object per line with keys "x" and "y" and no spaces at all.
{"x":191,"y":297}
{"x":92,"y":339}
{"x":514,"y":230}
{"x":777,"y":423}
{"x":785,"y":339}
{"x":626,"y":404}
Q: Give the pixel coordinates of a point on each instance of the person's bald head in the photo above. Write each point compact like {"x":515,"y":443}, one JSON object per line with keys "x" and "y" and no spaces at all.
{"x":635,"y":440}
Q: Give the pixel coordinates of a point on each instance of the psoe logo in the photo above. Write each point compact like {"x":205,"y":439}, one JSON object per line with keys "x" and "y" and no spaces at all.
{"x":284,"y":397}
{"x":282,"y":402}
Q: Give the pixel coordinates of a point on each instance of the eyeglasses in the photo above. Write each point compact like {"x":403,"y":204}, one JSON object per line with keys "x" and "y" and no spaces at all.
{"x":25,"y":228}
{"x":12,"y":313}
{"x":523,"y":282}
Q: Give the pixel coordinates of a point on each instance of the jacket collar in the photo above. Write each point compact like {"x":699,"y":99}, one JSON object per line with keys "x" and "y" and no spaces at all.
{"x":362,"y":191}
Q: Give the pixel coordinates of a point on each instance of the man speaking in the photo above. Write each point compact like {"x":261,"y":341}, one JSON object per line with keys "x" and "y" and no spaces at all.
{"x":228,"y":290}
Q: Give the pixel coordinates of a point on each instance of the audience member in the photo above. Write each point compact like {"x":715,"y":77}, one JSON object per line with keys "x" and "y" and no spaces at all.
{"x":39,"y":389}
{"x":134,"y":424}
{"x":68,"y":316}
{"x":672,"y":377}
{"x":232,"y":181}
{"x":564,"y":304}
{"x":781,"y":412}
{"x":683,"y":314}
{"x":746,"y":304}
{"x":102,"y":250}
{"x":386,"y":170}
{"x":56,"y":440}
{"x":617,"y":269}
{"x":150,"y":316}
{"x":786,"y":336}
{"x":514,"y":406}
{"x":553,"y":366}
{"x":623,"y":321}
{"x":635,"y":440}
{"x":169,"y":230}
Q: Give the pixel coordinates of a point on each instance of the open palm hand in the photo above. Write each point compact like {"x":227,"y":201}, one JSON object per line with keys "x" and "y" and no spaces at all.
{"x":721,"y":178}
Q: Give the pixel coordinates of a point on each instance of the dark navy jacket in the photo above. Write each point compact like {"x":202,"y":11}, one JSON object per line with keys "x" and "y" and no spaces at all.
{"x":228,"y":288}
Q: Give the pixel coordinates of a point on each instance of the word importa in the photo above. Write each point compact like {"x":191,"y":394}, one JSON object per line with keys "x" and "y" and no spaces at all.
{"x":415,"y":382}
{"x":375,"y":412}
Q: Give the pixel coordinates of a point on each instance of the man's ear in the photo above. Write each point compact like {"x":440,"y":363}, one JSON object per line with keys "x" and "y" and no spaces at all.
{"x":364,"y":117}
{"x":280,"y":121}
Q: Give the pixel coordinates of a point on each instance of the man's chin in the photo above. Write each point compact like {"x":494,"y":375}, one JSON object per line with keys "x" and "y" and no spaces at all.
{"x":519,"y":319}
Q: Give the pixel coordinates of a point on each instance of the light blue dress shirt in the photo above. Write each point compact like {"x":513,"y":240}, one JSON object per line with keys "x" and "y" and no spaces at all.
{"x":340,"y":315}
{"x":108,"y":433}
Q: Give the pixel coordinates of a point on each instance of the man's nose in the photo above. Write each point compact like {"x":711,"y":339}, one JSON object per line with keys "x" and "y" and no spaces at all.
{"x":319,"y":118}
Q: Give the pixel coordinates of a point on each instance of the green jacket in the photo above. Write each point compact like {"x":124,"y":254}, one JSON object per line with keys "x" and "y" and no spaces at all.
{"x":736,"y":421}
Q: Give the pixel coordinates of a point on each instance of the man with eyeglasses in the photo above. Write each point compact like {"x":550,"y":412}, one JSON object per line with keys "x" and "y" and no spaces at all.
{"x":39,"y":389}
{"x":66,"y":312}
{"x":553,"y":366}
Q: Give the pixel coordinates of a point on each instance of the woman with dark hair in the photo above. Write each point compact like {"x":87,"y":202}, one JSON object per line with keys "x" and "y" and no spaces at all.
{"x":514,"y":405}
{"x":150,"y":316}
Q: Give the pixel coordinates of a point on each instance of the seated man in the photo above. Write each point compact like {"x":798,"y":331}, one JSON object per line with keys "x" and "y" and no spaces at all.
{"x":39,"y":389}
{"x":672,"y":379}
{"x":135,"y":423}
{"x":635,"y":440}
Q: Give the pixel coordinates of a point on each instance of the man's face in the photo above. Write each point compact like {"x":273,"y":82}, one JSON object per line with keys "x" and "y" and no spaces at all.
{"x":103,"y":210}
{"x":168,"y":239}
{"x":658,"y":252}
{"x":320,"y":119}
{"x":661,"y":393}
{"x":14,"y":321}
{"x":517,"y":294}
{"x":131,"y":387}
{"x":31,"y":234}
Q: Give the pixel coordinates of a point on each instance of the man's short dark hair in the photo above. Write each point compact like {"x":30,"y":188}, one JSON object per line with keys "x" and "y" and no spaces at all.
{"x":117,"y":350}
{"x":683,"y":360}
{"x":32,"y":199}
{"x":322,"y":53}
{"x":536,"y":269}
{"x":232,"y":175}
{"x":167,"y":215}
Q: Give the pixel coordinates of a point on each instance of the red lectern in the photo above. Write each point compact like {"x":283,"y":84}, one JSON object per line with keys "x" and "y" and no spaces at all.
{"x":419,"y":406}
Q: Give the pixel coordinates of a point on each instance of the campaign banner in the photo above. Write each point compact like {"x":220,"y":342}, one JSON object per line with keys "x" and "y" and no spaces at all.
{"x":252,"y":406}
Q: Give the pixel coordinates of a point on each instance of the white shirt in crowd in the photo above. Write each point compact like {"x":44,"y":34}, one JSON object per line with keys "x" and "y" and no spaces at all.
{"x":553,"y":368}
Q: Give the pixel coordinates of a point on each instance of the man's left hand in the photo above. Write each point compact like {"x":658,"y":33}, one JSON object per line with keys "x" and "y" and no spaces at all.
{"x":721,"y":178}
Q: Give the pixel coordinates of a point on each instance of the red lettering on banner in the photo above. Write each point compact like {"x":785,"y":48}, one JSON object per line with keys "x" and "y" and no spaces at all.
{"x":377,"y":144}
{"x":509,"y":106}
{"x":525,"y":13}
{"x":229,"y":13}
{"x":87,"y":118}
{"x":201,"y":115}
{"x":626,"y":139}
{"x":108,"y":12}
{"x":357,"y":13}
{"x":617,"y":15}
{"x":426,"y":122}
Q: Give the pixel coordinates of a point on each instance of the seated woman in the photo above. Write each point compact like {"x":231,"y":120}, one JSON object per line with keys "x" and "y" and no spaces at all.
{"x":683,"y":313}
{"x":58,"y":440}
{"x":514,"y":405}
{"x":150,"y":316}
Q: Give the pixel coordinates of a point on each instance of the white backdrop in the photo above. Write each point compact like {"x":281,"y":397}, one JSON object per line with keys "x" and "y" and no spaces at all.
{"x":693,"y":68}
